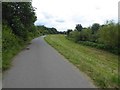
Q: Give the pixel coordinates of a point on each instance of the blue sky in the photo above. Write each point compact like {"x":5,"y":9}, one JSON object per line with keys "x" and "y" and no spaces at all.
{"x":65,"y":14}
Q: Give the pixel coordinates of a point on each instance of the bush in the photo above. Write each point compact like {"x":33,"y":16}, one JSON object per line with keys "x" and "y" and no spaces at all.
{"x":108,"y":35}
{"x":8,"y":49}
{"x":85,"y":35}
{"x":105,"y":37}
{"x":74,"y":35}
{"x":88,"y":43}
{"x":101,"y":46}
{"x":8,"y":38}
{"x":114,"y":50}
{"x":18,"y":28}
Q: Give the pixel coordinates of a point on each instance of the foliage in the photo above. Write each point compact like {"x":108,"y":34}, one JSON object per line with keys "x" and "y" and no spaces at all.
{"x":8,"y":49}
{"x":85,"y":35}
{"x":68,"y":31}
{"x":109,"y":35}
{"x":102,"y":37}
{"x":20,"y":17}
{"x":78,"y":27}
{"x":18,"y":28}
{"x":95,"y":27}
{"x":45,"y":30}
{"x":75,"y":35}
{"x":62,"y":32}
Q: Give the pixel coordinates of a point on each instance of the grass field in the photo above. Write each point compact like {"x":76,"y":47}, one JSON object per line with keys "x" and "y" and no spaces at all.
{"x":100,"y":66}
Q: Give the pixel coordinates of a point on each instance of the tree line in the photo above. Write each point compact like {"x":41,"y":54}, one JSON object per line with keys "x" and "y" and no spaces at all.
{"x":104,"y":36}
{"x":18,"y":29}
{"x":46,"y":30}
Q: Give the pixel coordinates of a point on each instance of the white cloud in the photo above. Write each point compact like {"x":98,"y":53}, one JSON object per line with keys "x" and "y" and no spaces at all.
{"x":65,"y":14}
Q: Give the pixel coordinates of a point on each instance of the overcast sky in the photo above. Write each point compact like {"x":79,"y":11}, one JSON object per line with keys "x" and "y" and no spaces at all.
{"x":65,"y":14}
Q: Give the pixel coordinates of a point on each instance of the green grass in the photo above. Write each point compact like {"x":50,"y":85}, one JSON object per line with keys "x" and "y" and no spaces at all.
{"x":8,"y":55}
{"x":100,"y":66}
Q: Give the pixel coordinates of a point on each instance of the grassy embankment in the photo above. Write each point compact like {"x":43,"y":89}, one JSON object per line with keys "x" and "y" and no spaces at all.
{"x":100,"y":65}
{"x":11,"y":45}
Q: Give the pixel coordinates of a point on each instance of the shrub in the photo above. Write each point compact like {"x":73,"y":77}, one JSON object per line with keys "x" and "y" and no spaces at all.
{"x":75,"y":36}
{"x":108,"y":35}
{"x":10,"y":44}
{"x":85,"y":35}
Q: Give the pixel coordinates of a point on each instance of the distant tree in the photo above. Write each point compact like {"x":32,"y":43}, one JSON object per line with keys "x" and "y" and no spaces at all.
{"x":54,"y":30}
{"x":45,"y":30}
{"x":68,"y":31}
{"x":95,"y":27}
{"x":78,"y":27}
{"x":62,"y":32}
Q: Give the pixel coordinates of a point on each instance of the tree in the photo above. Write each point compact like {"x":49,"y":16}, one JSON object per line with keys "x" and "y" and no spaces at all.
{"x":75,"y":36}
{"x":54,"y":30}
{"x":78,"y":27}
{"x":85,"y":34}
{"x":95,"y":27}
{"x":20,"y":17}
{"x":109,"y":35}
{"x":45,"y":30}
{"x":68,"y":31}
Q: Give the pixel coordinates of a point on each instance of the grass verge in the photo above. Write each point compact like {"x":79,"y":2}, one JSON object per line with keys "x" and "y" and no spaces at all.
{"x":9,"y":54}
{"x":100,"y":65}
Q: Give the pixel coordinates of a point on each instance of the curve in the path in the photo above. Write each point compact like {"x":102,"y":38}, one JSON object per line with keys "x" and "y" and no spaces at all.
{"x":41,"y":66}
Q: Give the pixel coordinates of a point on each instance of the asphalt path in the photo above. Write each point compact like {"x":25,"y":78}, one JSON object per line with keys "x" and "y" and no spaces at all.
{"x":41,"y":66}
